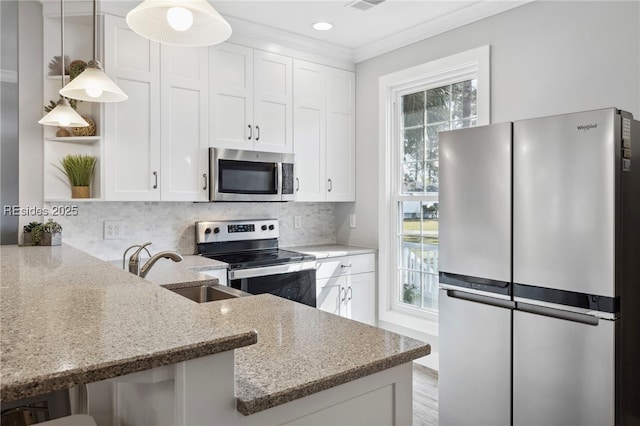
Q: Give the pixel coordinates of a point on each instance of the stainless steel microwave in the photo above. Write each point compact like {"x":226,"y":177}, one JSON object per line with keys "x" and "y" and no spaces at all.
{"x":250,"y":175}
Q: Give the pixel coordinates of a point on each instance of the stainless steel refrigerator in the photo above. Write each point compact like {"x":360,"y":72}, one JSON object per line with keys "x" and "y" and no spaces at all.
{"x":540,"y":272}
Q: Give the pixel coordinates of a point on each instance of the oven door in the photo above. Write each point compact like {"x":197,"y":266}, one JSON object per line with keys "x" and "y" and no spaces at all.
{"x":293,"y":281}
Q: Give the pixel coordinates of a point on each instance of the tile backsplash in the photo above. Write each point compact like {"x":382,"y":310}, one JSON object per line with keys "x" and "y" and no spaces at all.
{"x":170,"y":225}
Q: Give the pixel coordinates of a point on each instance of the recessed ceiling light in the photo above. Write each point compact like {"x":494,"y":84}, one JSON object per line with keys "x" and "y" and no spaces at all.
{"x":322,"y":26}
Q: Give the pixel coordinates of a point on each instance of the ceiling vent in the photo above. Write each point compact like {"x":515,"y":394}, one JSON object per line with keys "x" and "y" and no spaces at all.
{"x":364,"y":5}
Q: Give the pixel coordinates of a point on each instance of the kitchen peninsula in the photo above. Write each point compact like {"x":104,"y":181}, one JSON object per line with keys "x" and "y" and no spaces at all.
{"x":69,"y":319}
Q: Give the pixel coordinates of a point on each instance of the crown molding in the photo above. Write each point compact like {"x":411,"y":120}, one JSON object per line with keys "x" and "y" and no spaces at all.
{"x":283,"y":42}
{"x":460,"y":17}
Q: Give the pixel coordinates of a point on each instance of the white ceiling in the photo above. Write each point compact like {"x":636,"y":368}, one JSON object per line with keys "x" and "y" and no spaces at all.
{"x":357,"y":35}
{"x":389,"y":25}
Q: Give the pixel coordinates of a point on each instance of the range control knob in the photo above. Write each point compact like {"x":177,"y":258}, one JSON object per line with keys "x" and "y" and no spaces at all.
{"x":271,"y":227}
{"x":207,"y":231}
{"x":216,"y":230}
{"x":263,"y":227}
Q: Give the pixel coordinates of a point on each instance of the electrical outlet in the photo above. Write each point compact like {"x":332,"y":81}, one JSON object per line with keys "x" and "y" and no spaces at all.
{"x":113,"y":229}
{"x":352,"y":221}
{"x":297,"y":222}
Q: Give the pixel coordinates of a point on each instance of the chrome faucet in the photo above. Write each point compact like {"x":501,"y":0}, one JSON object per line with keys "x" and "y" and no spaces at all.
{"x":134,"y":260}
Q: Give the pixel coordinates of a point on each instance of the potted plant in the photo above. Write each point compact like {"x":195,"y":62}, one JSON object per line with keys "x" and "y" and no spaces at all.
{"x":79,"y":170}
{"x":43,"y":234}
{"x":51,"y":233}
{"x":27,"y":236}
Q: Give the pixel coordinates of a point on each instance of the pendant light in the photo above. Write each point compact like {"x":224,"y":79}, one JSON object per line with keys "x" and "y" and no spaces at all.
{"x":63,"y":115}
{"x":93,"y":84}
{"x":192,"y":23}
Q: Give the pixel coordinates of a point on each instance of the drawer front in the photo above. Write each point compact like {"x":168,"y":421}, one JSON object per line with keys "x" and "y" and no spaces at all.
{"x":344,"y":265}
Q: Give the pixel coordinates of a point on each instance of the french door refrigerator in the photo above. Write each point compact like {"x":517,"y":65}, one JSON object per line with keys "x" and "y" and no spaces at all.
{"x":563,"y":346}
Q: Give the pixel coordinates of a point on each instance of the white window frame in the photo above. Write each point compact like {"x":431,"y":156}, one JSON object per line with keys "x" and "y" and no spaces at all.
{"x":474,"y":63}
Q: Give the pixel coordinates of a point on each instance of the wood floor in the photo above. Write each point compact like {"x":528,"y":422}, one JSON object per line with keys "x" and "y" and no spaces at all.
{"x":425,"y":396}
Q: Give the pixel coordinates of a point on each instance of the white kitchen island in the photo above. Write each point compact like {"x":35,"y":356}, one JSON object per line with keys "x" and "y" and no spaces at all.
{"x":154,"y":357}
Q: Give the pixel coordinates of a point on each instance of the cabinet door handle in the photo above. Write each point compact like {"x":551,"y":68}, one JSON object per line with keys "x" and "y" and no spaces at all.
{"x":257,"y":133}
{"x":297,"y":184}
{"x":330,"y":185}
{"x":350,"y":293}
{"x":348,"y":265}
{"x":343,"y":298}
{"x":155,"y":175}
{"x":206,"y":181}
{"x":250,"y":131}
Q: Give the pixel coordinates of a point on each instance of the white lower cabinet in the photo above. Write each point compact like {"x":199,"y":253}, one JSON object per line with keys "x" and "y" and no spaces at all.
{"x":345,"y":286}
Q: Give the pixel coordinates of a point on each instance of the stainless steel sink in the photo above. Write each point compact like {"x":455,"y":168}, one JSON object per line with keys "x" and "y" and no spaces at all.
{"x":208,"y":293}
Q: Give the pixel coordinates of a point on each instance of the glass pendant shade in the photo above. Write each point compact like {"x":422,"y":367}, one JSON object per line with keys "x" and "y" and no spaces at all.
{"x":93,"y":85}
{"x":179,"y":22}
{"x":63,"y":116}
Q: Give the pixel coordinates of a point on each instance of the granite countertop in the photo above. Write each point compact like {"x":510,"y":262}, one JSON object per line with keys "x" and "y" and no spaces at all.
{"x":331,"y":250}
{"x":116,"y":323}
{"x":302,"y":350}
{"x":68,"y":318}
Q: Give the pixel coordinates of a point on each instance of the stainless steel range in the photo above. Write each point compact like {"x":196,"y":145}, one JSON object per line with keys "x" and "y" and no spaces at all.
{"x":256,"y":264}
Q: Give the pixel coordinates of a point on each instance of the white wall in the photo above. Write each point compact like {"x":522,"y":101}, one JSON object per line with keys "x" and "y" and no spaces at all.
{"x":30,"y":72}
{"x":546,"y":58}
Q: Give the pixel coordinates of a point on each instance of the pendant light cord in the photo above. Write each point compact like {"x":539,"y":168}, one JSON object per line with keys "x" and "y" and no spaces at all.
{"x":62,"y":39}
{"x":95,"y":29}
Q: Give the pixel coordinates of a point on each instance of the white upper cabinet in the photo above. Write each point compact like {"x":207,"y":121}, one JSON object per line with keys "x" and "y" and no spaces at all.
{"x":341,"y":135}
{"x":251,"y":99}
{"x":184,"y":125}
{"x":324,"y":132}
{"x":309,"y":131}
{"x":156,"y":141}
{"x":132,"y":127}
{"x":231,"y":99}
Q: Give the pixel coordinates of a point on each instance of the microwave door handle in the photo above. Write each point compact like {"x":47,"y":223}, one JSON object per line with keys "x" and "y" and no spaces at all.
{"x":279,"y":178}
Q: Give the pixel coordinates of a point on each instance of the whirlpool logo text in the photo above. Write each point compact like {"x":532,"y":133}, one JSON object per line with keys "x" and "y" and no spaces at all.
{"x":586,"y":127}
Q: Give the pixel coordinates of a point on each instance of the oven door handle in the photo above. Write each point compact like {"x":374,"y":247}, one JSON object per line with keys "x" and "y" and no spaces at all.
{"x":236,"y":274}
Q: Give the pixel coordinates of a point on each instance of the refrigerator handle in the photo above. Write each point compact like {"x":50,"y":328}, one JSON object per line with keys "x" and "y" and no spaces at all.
{"x":557,"y":313}
{"x":478,"y":298}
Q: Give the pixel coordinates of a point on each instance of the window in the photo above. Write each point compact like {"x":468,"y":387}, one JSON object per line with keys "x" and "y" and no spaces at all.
{"x":422,"y":114}
{"x":416,"y":104}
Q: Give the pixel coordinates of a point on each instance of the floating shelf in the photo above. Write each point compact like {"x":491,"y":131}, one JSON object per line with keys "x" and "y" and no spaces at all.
{"x":71,"y":200}
{"x":75,"y":139}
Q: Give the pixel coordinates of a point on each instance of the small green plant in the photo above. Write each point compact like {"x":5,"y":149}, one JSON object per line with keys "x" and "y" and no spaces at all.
{"x":51,"y":227}
{"x":38,"y":229}
{"x":29,"y":227}
{"x":78,"y":169}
